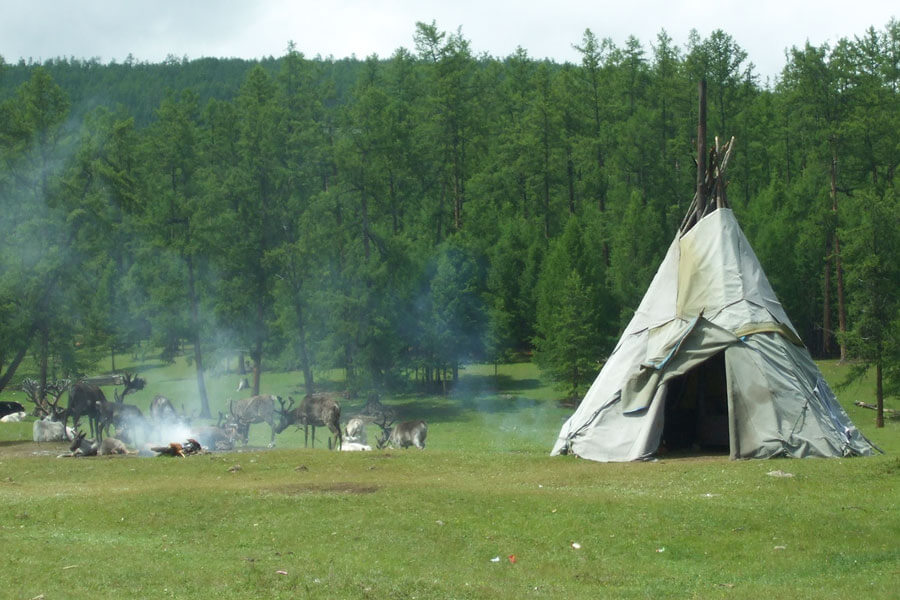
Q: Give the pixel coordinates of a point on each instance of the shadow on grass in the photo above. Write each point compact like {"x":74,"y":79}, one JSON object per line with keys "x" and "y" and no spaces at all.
{"x":471,"y":383}
{"x":458,"y":406}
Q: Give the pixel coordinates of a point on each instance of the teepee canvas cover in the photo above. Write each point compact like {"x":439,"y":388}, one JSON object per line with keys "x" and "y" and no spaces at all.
{"x":710,"y":339}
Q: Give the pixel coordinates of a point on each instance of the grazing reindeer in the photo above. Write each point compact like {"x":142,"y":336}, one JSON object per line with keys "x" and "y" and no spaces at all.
{"x":315,"y":410}
{"x":403,"y":435}
{"x":255,"y":409}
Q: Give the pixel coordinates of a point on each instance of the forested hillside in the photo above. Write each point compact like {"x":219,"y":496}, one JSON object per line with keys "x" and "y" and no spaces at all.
{"x":400,"y":217}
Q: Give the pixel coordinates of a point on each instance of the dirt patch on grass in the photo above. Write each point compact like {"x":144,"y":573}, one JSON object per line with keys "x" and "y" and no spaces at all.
{"x":341,"y":487}
{"x":27,"y":448}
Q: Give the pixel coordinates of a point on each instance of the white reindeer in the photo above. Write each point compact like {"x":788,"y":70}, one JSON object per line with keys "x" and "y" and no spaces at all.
{"x":47,"y":430}
{"x":355,"y":439}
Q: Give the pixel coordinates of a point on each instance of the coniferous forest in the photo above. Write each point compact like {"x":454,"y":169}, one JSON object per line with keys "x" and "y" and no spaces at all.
{"x":397,"y":218}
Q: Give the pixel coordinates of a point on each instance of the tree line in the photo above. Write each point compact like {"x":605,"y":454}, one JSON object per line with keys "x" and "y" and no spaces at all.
{"x":400,"y":217}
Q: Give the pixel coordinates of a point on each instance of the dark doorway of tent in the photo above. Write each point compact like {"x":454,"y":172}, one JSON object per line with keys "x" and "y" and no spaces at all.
{"x":696,"y":414}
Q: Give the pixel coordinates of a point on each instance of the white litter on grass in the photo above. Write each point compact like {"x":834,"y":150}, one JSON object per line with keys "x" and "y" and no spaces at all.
{"x":780,"y":548}
{"x":661,"y":549}
{"x":779,"y":473}
{"x":576,"y":545}
{"x":495,"y":559}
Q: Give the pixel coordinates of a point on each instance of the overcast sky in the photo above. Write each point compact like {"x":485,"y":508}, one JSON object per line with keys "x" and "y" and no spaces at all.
{"x":151,"y":30}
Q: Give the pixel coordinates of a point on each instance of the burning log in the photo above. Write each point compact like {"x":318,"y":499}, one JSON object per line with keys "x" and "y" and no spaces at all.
{"x":173,"y":449}
{"x":192,"y":446}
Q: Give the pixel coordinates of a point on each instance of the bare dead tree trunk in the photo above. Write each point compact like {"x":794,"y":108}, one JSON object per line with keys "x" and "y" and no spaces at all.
{"x":826,"y":303}
{"x":198,"y":352}
{"x":842,"y":310}
{"x":570,"y":179}
{"x":546,"y":205}
{"x":45,"y":351}
{"x":304,"y":351}
{"x":256,"y":354}
{"x":701,"y":147}
{"x":839,"y":271}
{"x":440,"y":213}
{"x":364,"y":209}
{"x":879,"y":396}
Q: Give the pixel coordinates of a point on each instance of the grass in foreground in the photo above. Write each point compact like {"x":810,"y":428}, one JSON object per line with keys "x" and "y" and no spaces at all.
{"x":293,"y":523}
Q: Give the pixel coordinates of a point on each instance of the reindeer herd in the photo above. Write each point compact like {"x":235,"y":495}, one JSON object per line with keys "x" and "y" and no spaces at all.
{"x":87,"y":401}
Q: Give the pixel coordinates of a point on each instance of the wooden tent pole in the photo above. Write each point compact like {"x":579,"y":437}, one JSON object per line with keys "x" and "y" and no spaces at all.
{"x":701,"y":150}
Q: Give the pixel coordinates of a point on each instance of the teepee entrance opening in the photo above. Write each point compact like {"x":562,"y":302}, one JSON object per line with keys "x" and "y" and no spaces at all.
{"x":696,"y":410}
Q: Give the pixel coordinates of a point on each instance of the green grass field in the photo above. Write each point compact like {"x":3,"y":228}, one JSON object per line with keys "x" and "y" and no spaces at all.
{"x":443,"y":523}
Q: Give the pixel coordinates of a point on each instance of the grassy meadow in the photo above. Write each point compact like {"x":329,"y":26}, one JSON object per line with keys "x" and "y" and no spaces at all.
{"x":483,"y":512}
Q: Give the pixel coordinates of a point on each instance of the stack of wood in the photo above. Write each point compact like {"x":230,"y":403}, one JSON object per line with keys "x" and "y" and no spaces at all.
{"x":712,"y":196}
{"x":711,"y":182}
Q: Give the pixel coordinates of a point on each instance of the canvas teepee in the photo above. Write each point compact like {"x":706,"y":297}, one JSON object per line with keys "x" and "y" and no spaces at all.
{"x":710,"y":358}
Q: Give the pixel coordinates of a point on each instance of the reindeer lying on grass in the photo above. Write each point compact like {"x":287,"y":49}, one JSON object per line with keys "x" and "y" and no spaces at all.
{"x":85,"y":447}
{"x":48,"y":430}
{"x":355,"y":436}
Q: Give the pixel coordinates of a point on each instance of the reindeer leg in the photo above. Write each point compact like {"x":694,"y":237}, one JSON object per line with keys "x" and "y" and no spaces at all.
{"x":337,"y":438}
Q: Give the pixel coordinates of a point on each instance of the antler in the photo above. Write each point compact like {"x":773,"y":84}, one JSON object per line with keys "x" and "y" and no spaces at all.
{"x":42,"y":405}
{"x":132,"y":383}
{"x":384,"y":424}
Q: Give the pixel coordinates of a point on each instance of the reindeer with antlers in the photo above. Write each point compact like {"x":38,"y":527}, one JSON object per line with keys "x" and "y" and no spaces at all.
{"x":46,"y":402}
{"x":127,"y":418}
{"x":402,"y":435}
{"x":255,"y":409}
{"x":315,"y":410}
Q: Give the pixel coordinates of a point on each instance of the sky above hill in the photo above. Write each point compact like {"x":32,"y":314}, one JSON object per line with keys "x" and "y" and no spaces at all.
{"x":150,"y":31}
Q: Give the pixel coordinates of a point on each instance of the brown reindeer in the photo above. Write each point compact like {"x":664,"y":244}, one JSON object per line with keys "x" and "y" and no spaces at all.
{"x":126,"y":418}
{"x":315,"y":410}
{"x":255,"y":409}
{"x":85,"y":399}
{"x":403,"y":435}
